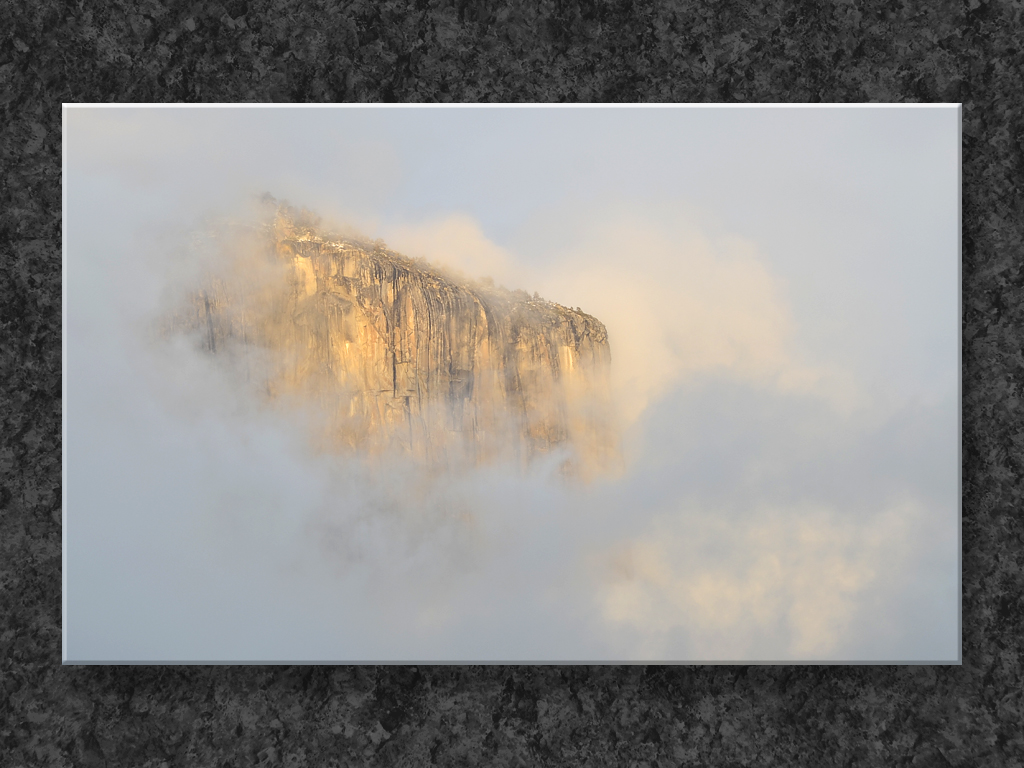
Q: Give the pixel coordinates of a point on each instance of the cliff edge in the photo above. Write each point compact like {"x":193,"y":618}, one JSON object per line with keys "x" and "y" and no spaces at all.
{"x":399,"y":355}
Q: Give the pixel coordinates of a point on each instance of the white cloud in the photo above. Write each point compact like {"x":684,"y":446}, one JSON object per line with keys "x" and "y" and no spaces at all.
{"x":776,"y":584}
{"x":457,"y":243}
{"x":677,"y":301}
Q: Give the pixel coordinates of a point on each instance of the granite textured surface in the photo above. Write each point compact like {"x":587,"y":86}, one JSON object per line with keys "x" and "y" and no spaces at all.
{"x":404,"y":357}
{"x":381,"y":50}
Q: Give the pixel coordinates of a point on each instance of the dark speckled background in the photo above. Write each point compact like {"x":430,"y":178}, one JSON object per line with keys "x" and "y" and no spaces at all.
{"x":553,"y":50}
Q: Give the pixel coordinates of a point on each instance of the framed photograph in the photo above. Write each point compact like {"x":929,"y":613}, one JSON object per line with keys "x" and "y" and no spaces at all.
{"x":511,"y":384}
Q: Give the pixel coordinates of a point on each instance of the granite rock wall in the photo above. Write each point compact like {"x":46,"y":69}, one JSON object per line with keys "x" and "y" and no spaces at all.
{"x":399,"y":356}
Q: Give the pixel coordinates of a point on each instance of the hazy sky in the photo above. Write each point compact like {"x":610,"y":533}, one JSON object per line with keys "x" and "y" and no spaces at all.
{"x":780,"y":287}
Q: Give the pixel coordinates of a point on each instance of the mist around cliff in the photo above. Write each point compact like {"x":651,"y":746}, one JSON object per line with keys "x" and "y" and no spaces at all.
{"x":780,"y":296}
{"x":247,"y":541}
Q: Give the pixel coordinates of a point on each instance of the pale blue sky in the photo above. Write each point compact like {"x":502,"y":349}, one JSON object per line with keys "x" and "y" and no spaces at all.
{"x":781,"y":291}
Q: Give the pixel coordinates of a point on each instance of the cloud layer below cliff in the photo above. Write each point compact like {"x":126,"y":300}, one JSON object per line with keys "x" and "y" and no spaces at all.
{"x":791,"y":421}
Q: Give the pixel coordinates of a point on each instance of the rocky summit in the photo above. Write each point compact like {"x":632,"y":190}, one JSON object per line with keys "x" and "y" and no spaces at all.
{"x":398,"y":355}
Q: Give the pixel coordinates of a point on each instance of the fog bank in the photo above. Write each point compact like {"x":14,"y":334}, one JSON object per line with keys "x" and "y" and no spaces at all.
{"x":790,"y":418}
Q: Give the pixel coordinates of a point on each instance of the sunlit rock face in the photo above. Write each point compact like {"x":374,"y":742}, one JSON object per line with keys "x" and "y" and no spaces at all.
{"x":398,"y":356}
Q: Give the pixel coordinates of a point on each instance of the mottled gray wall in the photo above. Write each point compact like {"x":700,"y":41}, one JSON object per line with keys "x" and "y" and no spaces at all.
{"x":751,"y":716}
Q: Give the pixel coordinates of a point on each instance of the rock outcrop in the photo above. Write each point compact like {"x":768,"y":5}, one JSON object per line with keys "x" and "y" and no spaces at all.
{"x":399,"y":355}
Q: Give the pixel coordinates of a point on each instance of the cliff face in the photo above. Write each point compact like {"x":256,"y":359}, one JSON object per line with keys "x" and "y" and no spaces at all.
{"x":400,"y":356}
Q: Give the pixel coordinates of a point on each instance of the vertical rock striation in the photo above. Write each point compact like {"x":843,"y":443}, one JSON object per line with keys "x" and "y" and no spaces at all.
{"x":400,"y":356}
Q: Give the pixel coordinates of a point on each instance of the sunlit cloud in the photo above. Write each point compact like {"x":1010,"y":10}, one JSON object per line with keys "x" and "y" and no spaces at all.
{"x":457,"y":243}
{"x":676,"y":301}
{"x":782,"y":584}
